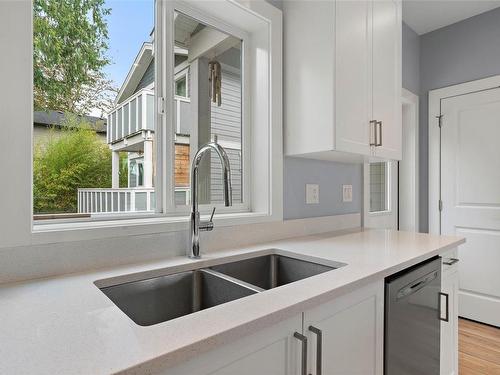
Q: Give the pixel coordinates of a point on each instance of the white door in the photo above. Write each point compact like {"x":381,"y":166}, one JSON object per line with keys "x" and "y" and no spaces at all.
{"x":470,"y":193}
{"x":380,"y":203}
{"x":387,"y":77}
{"x":353,"y":108}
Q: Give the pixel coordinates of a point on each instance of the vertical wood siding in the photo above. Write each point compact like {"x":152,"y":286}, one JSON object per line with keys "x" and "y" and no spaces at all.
{"x":226,"y":124}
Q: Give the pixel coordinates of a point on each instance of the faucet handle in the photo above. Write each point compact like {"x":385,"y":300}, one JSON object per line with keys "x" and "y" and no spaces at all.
{"x":212,"y":215}
{"x":207,"y":226}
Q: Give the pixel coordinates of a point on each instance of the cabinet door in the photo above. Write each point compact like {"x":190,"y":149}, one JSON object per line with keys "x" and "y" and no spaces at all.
{"x":271,"y":351}
{"x":309,"y":81}
{"x":387,"y":76}
{"x":352,"y":76}
{"x":449,"y":330}
{"x":352,"y":329}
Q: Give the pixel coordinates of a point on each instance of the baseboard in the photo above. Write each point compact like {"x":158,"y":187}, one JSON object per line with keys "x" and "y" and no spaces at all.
{"x":481,"y":308}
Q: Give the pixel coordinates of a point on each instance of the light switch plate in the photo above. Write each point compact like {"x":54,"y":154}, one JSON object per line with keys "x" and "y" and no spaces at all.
{"x":312,"y":193}
{"x":346,"y":193}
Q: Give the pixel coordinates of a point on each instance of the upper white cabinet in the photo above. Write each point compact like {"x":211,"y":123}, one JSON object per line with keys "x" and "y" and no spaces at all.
{"x":386,"y":78}
{"x":342,"y":79}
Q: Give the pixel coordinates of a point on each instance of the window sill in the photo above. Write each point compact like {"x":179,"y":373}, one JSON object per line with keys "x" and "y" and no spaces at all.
{"x":93,"y":230}
{"x":380,"y":213}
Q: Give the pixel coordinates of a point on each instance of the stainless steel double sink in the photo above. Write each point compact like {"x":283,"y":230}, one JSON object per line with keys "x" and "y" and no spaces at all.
{"x":158,"y":299}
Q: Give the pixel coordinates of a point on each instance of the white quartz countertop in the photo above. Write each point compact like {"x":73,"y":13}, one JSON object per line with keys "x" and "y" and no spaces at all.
{"x":66,"y":325}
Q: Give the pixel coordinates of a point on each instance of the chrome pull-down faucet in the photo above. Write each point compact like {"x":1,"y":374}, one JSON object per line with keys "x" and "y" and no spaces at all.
{"x":196,"y":224}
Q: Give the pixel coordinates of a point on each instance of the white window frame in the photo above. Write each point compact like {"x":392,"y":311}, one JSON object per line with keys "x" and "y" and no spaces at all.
{"x":263,"y":197}
{"x":388,"y":217}
{"x":138,"y":160}
{"x":387,"y":187}
{"x":184,"y":73}
{"x":213,"y":21}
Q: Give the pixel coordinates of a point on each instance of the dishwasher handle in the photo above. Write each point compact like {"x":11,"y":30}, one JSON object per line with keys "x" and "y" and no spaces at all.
{"x":416,"y":285}
{"x":447,"y":299}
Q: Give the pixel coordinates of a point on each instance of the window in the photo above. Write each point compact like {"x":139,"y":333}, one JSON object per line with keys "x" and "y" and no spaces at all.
{"x":94,"y":123}
{"x":181,"y":86}
{"x":215,"y":115}
{"x":379,"y":187}
{"x":123,"y":148}
{"x":136,"y":170}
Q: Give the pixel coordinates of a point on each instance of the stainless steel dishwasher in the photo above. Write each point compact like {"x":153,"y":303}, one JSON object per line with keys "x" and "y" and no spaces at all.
{"x":412,"y":320}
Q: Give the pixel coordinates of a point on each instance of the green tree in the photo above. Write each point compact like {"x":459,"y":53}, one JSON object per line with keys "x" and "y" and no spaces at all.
{"x":74,"y":157}
{"x":123,"y":171}
{"x":70,"y":41}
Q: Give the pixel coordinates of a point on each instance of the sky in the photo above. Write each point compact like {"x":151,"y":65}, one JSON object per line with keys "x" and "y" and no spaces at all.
{"x":129,"y":26}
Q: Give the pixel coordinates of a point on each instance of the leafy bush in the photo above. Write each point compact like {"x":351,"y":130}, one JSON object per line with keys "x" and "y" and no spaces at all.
{"x":74,"y":157}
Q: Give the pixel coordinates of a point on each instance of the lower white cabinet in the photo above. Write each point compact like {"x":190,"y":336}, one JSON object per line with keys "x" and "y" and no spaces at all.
{"x":350,"y":329}
{"x":343,"y":336}
{"x":449,"y":329}
{"x":271,"y":351}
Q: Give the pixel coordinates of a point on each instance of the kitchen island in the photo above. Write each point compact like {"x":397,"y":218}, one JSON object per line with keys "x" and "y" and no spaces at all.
{"x":66,"y":325}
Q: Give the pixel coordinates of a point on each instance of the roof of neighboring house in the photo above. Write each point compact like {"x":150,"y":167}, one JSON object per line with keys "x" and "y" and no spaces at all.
{"x":136,"y":72}
{"x":56,"y":118}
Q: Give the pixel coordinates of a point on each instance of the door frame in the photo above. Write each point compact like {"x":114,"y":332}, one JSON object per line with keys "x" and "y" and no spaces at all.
{"x":435,"y":97}
{"x":411,"y":100}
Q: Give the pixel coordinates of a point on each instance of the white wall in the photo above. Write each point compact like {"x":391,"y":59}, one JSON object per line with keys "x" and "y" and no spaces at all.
{"x":15,"y":122}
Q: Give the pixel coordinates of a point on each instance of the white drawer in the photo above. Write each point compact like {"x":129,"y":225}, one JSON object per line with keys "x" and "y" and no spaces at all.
{"x":450,"y":260}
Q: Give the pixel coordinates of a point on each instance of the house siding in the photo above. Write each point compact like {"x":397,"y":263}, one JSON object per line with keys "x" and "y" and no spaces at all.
{"x":148,"y":77}
{"x":226,"y":124}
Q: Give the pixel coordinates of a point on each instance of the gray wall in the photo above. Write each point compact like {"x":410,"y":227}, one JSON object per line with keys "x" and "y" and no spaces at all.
{"x":329,"y":175}
{"x":465,"y":51}
{"x":411,"y":60}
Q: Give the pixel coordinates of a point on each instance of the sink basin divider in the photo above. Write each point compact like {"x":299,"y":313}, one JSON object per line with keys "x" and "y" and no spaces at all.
{"x":233,"y":280}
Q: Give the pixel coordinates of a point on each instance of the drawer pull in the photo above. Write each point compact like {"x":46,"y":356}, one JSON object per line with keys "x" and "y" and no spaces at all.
{"x":319,"y":348}
{"x":303,"y":340}
{"x":450,"y":261}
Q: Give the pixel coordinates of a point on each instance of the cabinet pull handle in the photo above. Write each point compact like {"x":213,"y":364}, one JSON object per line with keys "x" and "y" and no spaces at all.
{"x":451,"y":261}
{"x":319,"y":348}
{"x":447,"y":296}
{"x":378,"y":130}
{"x":303,"y":364}
{"x":373,"y":131}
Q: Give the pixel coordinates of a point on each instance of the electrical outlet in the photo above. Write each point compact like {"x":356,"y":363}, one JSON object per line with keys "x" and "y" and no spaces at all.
{"x":312,"y":193}
{"x":346,"y":193}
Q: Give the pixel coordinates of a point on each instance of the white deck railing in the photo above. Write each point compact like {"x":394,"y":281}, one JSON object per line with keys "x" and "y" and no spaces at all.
{"x":116,"y":200}
{"x":96,"y":201}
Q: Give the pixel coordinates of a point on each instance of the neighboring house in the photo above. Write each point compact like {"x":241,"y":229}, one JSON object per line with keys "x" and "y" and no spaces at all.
{"x":132,"y":129}
{"x":47,"y":124}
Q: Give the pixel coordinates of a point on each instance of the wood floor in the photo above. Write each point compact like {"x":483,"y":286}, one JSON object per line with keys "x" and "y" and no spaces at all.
{"x":478,"y":348}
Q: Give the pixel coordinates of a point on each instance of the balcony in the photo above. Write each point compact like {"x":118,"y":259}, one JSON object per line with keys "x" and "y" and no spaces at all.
{"x":131,"y":122}
{"x":106,"y":201}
